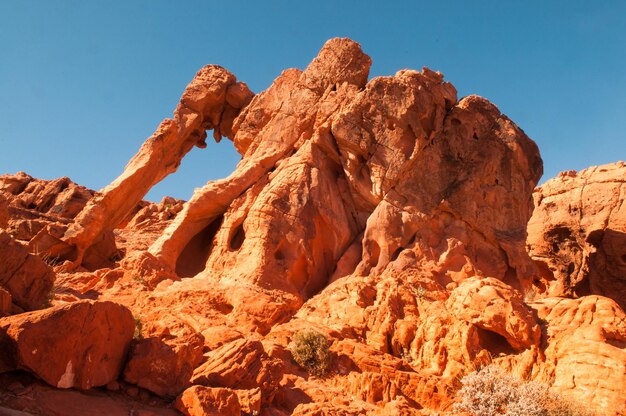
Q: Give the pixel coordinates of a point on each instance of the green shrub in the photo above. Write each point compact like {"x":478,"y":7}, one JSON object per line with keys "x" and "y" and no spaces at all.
{"x":310,"y":350}
{"x":491,"y":391}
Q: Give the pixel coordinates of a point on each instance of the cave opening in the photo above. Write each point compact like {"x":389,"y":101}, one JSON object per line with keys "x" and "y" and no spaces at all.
{"x":237,"y":238}
{"x":496,"y":344}
{"x":193,"y":258}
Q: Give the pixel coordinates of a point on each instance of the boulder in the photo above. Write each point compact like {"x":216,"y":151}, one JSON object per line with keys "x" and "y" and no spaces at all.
{"x":164,"y":365}
{"x":241,"y":364}
{"x":78,"y":345}
{"x":207,"y":401}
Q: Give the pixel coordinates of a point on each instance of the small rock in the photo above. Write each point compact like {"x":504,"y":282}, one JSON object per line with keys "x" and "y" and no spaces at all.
{"x":208,"y":401}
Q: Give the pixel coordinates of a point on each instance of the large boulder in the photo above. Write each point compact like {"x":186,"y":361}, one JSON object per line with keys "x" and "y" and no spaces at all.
{"x":78,"y":345}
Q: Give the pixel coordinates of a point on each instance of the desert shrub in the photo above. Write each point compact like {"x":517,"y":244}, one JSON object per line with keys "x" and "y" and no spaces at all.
{"x":420,"y":292}
{"x":138,"y":335}
{"x":490,"y":391}
{"x":310,"y":350}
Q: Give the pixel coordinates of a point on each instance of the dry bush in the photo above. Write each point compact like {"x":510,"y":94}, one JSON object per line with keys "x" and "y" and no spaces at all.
{"x":138,"y":335}
{"x":491,"y":391}
{"x":310,"y":350}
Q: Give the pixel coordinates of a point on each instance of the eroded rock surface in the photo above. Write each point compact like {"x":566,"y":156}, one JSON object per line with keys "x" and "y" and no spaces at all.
{"x":586,"y":349}
{"x":386,"y":214}
{"x":241,"y":365}
{"x":207,"y":401}
{"x":80,"y":345}
{"x":164,"y":365}
{"x":577,"y":234}
{"x":210,"y":102}
{"x":26,"y":277}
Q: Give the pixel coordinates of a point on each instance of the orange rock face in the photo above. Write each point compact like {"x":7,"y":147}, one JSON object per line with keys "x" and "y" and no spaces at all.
{"x":385,"y":214}
{"x":577,"y":237}
{"x":80,"y":345}
{"x":586,"y":350}
{"x":241,"y":365}
{"x":164,"y":366}
{"x":207,"y":401}
{"x":577,"y":234}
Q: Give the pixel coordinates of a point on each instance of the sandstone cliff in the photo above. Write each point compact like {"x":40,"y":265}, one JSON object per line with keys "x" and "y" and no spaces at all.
{"x":388,"y":215}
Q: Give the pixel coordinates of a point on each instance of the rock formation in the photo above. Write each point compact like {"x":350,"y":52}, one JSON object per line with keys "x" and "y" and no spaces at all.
{"x":387,"y":215}
{"x":164,"y":365}
{"x":26,"y":277}
{"x":211,"y":101}
{"x":81,"y":344}
{"x":577,"y":234}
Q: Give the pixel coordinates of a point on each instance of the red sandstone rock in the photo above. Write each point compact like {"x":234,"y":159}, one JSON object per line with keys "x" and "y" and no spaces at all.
{"x":385,"y":214}
{"x":577,"y":234}
{"x":203,"y":106}
{"x":207,"y":401}
{"x":4,"y":212}
{"x":274,"y":125}
{"x":586,"y":350}
{"x":493,"y":306}
{"x":356,"y":183}
{"x":34,"y":203}
{"x":164,"y":366}
{"x":250,"y":401}
{"x":5,"y":302}
{"x":80,"y":345}
{"x":60,"y":197}
{"x":26,"y":277}
{"x":241,"y":364}
{"x":387,"y":173}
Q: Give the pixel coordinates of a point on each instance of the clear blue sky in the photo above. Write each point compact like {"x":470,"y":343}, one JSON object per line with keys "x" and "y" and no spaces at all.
{"x":84,"y":83}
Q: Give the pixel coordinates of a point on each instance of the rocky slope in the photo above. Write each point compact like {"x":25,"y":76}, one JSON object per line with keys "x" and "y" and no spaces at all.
{"x":386,"y":214}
